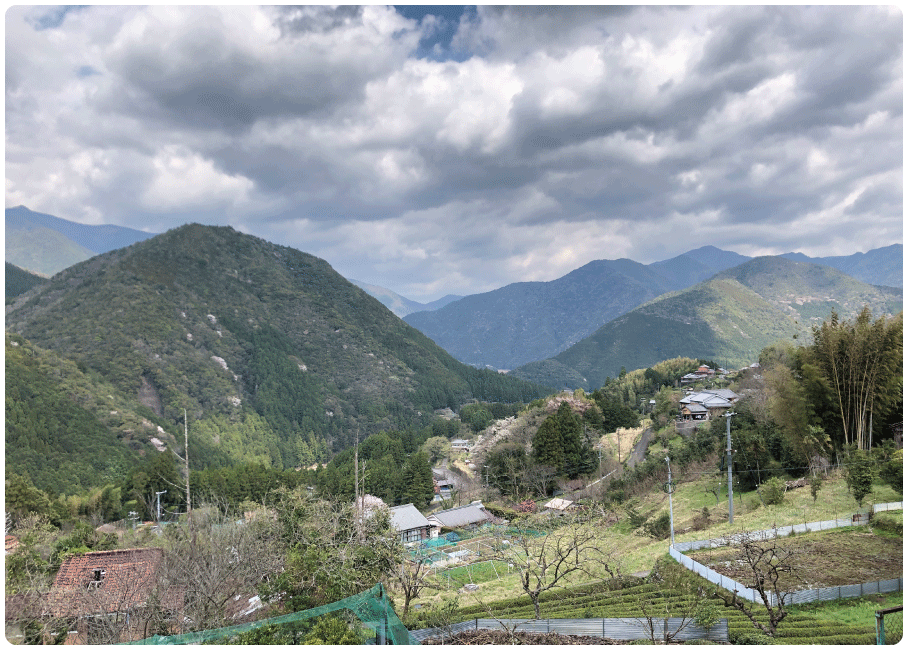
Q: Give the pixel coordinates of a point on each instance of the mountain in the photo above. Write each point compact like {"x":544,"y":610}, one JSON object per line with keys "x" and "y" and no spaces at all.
{"x":46,"y":244}
{"x":19,"y":280}
{"x":697,"y":265}
{"x":525,"y":321}
{"x":400,"y":305}
{"x":729,"y":318}
{"x":529,"y":321}
{"x":268,"y":348}
{"x":880,"y":266}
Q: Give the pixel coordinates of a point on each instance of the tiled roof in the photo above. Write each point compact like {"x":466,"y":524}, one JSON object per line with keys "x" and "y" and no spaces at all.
{"x":407,"y":517}
{"x":127,"y":579}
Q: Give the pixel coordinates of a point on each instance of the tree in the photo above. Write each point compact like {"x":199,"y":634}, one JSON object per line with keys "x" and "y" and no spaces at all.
{"x":414,"y":576}
{"x":892,"y":469}
{"x":543,"y":554}
{"x":219,"y":560}
{"x":506,"y":469}
{"x":436,"y":448}
{"x":766,"y":562}
{"x":419,"y":486}
{"x":862,"y":365}
{"x":559,"y":443}
{"x":860,"y":471}
{"x":332,"y":553}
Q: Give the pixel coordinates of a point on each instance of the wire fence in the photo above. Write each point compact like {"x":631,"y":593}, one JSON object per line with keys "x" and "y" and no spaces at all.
{"x":792,"y":598}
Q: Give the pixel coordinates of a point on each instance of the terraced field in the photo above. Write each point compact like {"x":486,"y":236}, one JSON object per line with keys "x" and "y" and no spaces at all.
{"x":804,"y":625}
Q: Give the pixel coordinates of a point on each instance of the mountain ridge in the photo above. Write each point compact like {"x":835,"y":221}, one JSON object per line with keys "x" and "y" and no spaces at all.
{"x":729,"y":318}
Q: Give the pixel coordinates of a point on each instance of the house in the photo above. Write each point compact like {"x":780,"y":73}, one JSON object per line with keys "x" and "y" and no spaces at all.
{"x":459,"y":444}
{"x":105,"y":595}
{"x":410,"y":523}
{"x":707,"y":404}
{"x":468,"y":516}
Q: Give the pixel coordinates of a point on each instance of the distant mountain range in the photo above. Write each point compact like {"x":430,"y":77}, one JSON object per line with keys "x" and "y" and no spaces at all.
{"x":729,"y":319}
{"x":530,"y":321}
{"x":503,"y":329}
{"x":44,"y":244}
{"x":400,"y":305}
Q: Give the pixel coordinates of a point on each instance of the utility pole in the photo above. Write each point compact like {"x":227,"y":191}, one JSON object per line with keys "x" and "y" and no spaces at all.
{"x":158,"y":495}
{"x":359,"y":510}
{"x":186,"y":452}
{"x":671,"y":513}
{"x":728,"y":451}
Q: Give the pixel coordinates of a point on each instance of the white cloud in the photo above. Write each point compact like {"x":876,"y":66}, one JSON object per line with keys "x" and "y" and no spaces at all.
{"x":555,"y":135}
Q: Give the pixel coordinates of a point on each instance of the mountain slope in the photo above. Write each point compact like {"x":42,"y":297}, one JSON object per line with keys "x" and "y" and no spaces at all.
{"x":398,"y":304}
{"x":697,"y":265}
{"x":525,"y":321}
{"x":46,"y":244}
{"x":729,"y":318}
{"x":19,"y":280}
{"x":264,"y":345}
{"x":881,"y":266}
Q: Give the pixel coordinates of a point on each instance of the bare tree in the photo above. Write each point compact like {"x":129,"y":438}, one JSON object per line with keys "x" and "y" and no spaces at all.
{"x":545,"y":552}
{"x":413,"y":577}
{"x":540,"y":478}
{"x":767,"y":562}
{"x":219,"y":561}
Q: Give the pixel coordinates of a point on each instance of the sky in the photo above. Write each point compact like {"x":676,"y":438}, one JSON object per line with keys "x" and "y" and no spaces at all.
{"x":436,"y":150}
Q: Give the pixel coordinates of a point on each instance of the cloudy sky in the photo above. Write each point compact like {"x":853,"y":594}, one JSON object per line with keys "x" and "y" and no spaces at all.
{"x":440,"y":150}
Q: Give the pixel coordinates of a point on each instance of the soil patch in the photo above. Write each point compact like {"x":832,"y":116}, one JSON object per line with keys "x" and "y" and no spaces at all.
{"x":828,"y":559}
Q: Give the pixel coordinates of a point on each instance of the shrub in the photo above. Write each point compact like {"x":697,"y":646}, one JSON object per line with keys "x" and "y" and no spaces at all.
{"x":658,"y":528}
{"x":773,"y":491}
{"x":754,"y":638}
{"x":886,"y":523}
{"x":634,"y":518}
{"x":707,"y":614}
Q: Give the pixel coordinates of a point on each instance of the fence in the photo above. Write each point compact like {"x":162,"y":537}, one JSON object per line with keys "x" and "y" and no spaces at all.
{"x":797,"y":597}
{"x":371,"y":607}
{"x":622,"y":629}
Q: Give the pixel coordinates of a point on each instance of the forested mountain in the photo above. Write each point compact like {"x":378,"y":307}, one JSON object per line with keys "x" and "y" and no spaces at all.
{"x":274,"y":355}
{"x":19,"y":280}
{"x":46,"y":244}
{"x":729,"y":318}
{"x":530,"y":321}
{"x":525,"y":321}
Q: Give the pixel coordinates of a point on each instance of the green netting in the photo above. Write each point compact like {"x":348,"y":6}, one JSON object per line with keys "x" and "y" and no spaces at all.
{"x":371,"y":607}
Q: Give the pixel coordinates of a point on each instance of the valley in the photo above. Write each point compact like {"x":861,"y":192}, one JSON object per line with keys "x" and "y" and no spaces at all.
{"x":300,"y":395}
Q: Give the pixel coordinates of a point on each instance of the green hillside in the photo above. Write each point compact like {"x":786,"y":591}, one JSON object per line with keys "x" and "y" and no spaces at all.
{"x":263,"y":345}
{"x":19,"y":281}
{"x":55,"y":432}
{"x":729,"y":318}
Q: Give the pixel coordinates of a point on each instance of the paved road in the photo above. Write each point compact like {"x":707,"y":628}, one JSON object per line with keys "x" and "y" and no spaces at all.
{"x":639,"y":452}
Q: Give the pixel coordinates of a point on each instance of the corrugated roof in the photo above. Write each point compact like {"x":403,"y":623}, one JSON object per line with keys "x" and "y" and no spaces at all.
{"x":407,"y":517}
{"x":460,"y":516}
